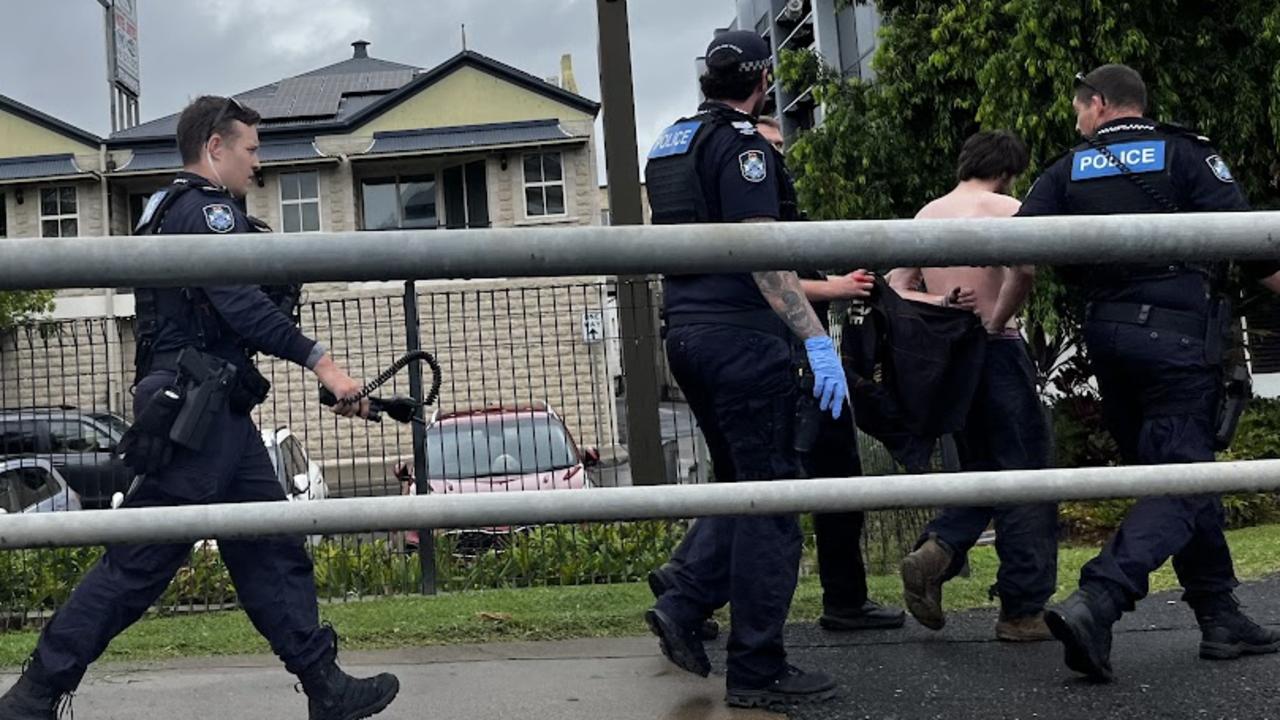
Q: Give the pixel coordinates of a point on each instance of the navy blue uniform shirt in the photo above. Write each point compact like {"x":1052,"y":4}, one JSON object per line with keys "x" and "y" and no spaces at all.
{"x":740,"y":175}
{"x":1179,"y":169}
{"x":248,"y":319}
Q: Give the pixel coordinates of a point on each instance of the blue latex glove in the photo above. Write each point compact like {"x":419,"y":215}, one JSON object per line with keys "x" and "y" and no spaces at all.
{"x":829,"y":382}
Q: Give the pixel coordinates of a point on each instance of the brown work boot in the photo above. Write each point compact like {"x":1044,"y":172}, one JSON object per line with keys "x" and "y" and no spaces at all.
{"x":922,"y":577}
{"x":1031,"y":628}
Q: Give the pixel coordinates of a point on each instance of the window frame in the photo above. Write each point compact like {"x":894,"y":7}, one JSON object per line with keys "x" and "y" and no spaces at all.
{"x":300,"y":201}
{"x":60,"y":217}
{"x":544,"y":184}
{"x":398,"y":181}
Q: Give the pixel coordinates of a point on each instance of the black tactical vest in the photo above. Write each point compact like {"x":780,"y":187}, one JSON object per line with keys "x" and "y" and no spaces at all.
{"x":1128,"y":169}
{"x":677,"y":196}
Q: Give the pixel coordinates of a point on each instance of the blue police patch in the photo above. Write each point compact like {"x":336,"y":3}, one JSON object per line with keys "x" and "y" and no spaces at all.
{"x":675,"y":140}
{"x":1147,"y":156}
{"x":753,"y":166}
{"x":153,"y":204}
{"x":219,"y":218}
{"x":1220,"y":169}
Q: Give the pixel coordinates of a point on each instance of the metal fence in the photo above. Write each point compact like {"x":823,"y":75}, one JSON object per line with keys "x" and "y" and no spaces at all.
{"x":528,"y":344}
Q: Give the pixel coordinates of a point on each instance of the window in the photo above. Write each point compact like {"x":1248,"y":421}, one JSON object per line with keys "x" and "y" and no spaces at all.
{"x":543,"y":185}
{"x":400,"y":203}
{"x":58,"y":216}
{"x":19,"y":437}
{"x":295,"y":459}
{"x":21,"y":488}
{"x":4,"y":221}
{"x":69,"y":436}
{"x":519,"y":445}
{"x":466,"y":196}
{"x":300,"y":202}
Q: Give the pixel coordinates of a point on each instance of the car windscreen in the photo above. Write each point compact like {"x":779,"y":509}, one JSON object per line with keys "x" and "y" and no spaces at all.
{"x":115,"y":425}
{"x":497,"y":445}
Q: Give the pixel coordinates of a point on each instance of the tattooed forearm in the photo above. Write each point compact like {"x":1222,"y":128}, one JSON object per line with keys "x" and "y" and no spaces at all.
{"x":785,"y":295}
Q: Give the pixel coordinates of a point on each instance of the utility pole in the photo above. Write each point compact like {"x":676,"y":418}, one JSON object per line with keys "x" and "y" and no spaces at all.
{"x":635,"y":299}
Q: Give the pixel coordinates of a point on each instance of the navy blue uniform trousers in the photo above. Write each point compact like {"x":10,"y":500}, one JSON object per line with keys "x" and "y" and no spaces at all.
{"x":838,"y":535}
{"x":1006,"y":430}
{"x":741,"y":387}
{"x":274,"y":578}
{"x":1160,"y":400}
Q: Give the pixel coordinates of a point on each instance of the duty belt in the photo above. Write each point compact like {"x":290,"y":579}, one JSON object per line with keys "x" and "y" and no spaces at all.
{"x":765,"y":321}
{"x":1186,"y":323}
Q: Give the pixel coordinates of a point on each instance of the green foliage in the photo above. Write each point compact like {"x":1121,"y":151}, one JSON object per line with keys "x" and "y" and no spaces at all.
{"x":42,"y":580}
{"x":19,"y":306}
{"x":798,"y":70}
{"x":945,"y":70}
{"x":1081,"y":442}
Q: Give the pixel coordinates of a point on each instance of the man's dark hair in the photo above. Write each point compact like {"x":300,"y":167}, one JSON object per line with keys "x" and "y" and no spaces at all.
{"x":735,"y":86}
{"x":1119,"y":85}
{"x":992,"y":155}
{"x":207,"y":116}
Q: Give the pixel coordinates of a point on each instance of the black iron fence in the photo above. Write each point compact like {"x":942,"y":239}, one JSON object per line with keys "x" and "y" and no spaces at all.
{"x":534,"y":363}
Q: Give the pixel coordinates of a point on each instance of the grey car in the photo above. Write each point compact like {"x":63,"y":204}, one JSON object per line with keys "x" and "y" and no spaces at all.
{"x":81,"y":446}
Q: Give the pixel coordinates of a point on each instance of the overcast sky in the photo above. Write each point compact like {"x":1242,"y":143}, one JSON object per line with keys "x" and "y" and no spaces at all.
{"x":53,"y":55}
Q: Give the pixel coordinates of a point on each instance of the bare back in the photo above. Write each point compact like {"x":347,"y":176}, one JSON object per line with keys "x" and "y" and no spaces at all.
{"x":985,"y":281}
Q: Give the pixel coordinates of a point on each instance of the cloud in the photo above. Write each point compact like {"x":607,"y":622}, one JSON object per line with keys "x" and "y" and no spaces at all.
{"x":295,"y":25}
{"x":192,"y":47}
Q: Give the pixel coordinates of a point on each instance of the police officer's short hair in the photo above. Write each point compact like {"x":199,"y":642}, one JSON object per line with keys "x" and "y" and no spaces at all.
{"x":729,"y":86}
{"x":1119,"y":85}
{"x":207,"y":116}
{"x":992,"y":155}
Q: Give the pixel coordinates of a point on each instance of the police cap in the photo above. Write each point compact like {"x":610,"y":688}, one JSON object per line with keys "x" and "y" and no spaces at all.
{"x":738,"y":51}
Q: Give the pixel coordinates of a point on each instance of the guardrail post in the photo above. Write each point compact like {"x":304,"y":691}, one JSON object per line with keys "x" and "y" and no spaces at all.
{"x":413,"y":342}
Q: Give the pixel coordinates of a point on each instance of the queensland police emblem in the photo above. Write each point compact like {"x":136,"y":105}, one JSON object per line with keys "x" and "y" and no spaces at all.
{"x":219,"y":218}
{"x":753,"y":166}
{"x":1220,"y":169}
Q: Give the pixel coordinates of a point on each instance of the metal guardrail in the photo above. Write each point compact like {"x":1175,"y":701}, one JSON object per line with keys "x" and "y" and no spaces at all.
{"x":190,"y":523}
{"x":531,"y":252}
{"x":116,"y":261}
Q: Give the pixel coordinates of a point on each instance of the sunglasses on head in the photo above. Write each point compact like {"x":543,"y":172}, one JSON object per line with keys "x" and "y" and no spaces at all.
{"x":1081,"y":82}
{"x":226,"y":108}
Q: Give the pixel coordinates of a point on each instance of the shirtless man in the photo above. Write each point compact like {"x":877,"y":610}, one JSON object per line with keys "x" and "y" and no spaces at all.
{"x":1006,"y":428}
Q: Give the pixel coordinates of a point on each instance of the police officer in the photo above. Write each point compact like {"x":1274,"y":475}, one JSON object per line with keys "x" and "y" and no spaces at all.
{"x":195,"y":349}
{"x":1153,"y":333}
{"x":833,"y":453}
{"x":729,"y":343}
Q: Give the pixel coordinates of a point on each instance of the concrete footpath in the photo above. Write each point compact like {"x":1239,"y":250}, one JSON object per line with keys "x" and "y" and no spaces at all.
{"x":957,"y":674}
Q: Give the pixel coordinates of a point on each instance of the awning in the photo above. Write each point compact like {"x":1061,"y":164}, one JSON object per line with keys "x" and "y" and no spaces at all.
{"x":40,"y":167}
{"x":469,"y":137}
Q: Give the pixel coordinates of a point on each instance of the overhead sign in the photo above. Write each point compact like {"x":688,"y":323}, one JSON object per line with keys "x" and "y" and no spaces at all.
{"x":126,"y":68}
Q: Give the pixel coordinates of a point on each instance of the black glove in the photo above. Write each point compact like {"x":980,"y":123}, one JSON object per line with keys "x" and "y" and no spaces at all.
{"x":146,"y":447}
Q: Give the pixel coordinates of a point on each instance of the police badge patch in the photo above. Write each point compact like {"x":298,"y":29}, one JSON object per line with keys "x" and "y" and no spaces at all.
{"x":219,"y":218}
{"x":1220,"y":169}
{"x":753,"y":166}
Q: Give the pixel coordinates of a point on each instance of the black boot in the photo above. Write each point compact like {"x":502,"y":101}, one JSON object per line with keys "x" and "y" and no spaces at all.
{"x":867,"y":616}
{"x":660,"y":581}
{"x":794,"y":687}
{"x":30,"y":699}
{"x":1082,"y":623}
{"x":1226,"y":633}
{"x":334,"y":695}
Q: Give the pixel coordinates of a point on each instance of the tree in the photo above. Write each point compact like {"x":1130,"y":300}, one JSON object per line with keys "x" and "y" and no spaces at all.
{"x":18,"y":306}
{"x":947,"y":69}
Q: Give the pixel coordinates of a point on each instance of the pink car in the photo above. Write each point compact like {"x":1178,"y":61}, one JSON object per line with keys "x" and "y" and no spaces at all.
{"x":521,"y":449}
